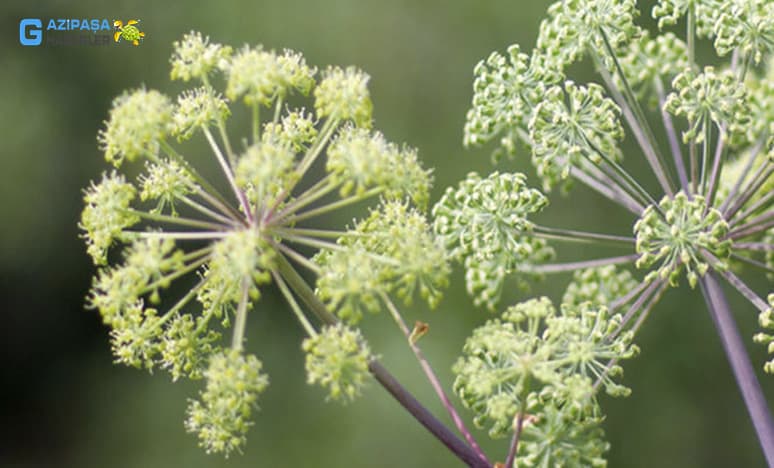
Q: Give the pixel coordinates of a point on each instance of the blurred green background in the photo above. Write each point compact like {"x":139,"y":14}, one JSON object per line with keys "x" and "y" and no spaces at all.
{"x":65,"y":404}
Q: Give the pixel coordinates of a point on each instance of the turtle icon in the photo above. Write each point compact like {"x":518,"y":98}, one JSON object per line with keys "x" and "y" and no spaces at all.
{"x":128,"y":32}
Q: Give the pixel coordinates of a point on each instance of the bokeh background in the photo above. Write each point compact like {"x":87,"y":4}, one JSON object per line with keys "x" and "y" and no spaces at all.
{"x":64,"y":404}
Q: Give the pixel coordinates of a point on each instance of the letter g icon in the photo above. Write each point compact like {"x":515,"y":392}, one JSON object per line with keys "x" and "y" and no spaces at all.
{"x":30,"y":32}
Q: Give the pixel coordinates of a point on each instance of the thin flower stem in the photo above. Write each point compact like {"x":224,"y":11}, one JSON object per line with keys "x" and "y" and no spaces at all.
{"x":649,"y":307}
{"x":335,"y":205}
{"x":227,"y":171}
{"x":705,"y":150}
{"x":605,"y":190}
{"x":755,"y":184}
{"x":746,"y":380}
{"x":514,"y":446}
{"x":459,"y":448}
{"x":433,"y":378}
{"x":690,"y":34}
{"x":760,"y":203}
{"x":290,"y":236}
{"x":308,"y":328}
{"x":694,"y":165}
{"x":563,"y":267}
{"x":630,"y":182}
{"x":176,"y":220}
{"x":256,"y":107}
{"x":180,"y":235}
{"x":646,"y":139}
{"x":753,"y":262}
{"x":640,"y":320}
{"x":177,"y":274}
{"x":278,"y":109}
{"x":323,"y":233}
{"x":637,"y":305}
{"x":238,"y":338}
{"x":761,"y":223}
{"x":226,"y":142}
{"x":205,"y":184}
{"x":326,"y":131}
{"x":579,"y":236}
{"x":206,"y":211}
{"x":742,"y":176}
{"x":628,"y":296}
{"x":224,"y":207}
{"x":319,"y":190}
{"x":674,"y":142}
{"x":715,"y":177}
{"x":758,"y":246}
{"x":300,"y":259}
{"x":738,"y":284}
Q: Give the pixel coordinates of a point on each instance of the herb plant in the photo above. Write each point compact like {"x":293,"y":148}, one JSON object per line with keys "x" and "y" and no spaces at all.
{"x":532,"y":373}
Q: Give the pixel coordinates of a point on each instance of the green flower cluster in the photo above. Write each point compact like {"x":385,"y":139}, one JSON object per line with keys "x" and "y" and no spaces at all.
{"x":338,"y":359}
{"x":392,"y":250}
{"x":710,"y":97}
{"x":680,"y":237}
{"x":537,"y":361}
{"x":175,"y":225}
{"x":222,"y":417}
{"x":484,"y":224}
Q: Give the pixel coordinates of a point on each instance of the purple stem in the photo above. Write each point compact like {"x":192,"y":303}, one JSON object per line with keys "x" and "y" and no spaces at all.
{"x":742,"y":176}
{"x":740,"y":365}
{"x":434,"y":381}
{"x":674,"y":143}
{"x":572,"y":266}
{"x":514,"y":447}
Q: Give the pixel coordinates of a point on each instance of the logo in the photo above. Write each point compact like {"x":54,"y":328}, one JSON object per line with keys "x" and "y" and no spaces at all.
{"x":78,"y":32}
{"x":128,"y":32}
{"x":30,"y":32}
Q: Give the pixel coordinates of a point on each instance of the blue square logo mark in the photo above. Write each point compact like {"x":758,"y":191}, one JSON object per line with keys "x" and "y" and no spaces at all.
{"x":30,"y":32}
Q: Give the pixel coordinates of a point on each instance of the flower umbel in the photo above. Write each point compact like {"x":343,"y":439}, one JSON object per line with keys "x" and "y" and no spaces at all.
{"x":229,"y":247}
{"x":714,"y":217}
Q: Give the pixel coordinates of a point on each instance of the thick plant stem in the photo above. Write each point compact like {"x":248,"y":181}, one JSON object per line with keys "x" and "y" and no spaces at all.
{"x":740,"y":364}
{"x":459,"y":448}
{"x":434,"y":381}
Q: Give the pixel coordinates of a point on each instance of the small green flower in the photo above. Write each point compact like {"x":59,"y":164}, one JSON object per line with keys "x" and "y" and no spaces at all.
{"x":705,"y":12}
{"x":649,"y":60}
{"x":138,"y":121}
{"x":349,"y":282}
{"x":414,"y":259}
{"x":485,"y":222}
{"x":504,"y":92}
{"x":261,"y":76}
{"x":222,"y":417}
{"x":196,"y":109}
{"x":296,"y":131}
{"x":195,"y":57}
{"x":572,"y":126}
{"x":587,"y":340}
{"x":766,"y":322}
{"x":505,"y":366}
{"x":679,"y":238}
{"x":343,"y":95}
{"x":264,"y":170}
{"x":710,"y":97}
{"x":746,"y":26}
{"x":186,"y":346}
{"x":560,"y":438}
{"x":107,"y":214}
{"x":362,"y":160}
{"x":166,"y":182}
{"x":337,"y":359}
{"x":241,"y":256}
{"x":132,"y":337}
